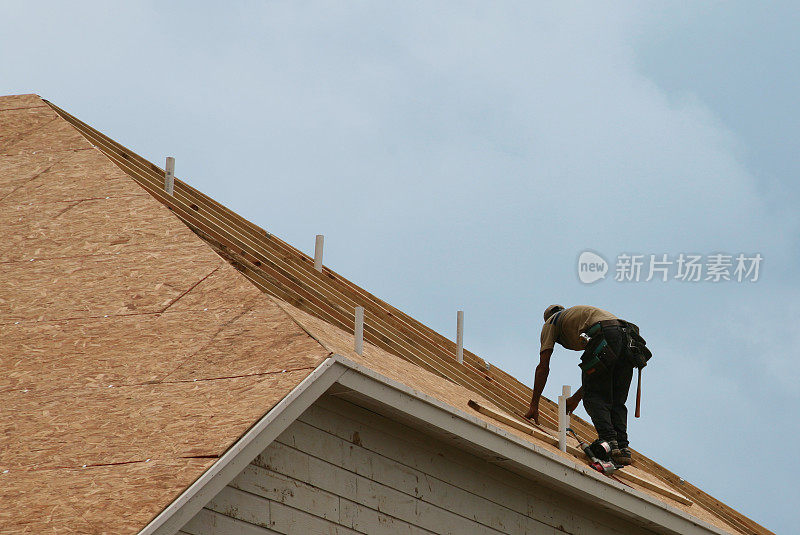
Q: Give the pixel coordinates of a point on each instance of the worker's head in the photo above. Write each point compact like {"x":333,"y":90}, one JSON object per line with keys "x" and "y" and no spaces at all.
{"x":552,"y":309}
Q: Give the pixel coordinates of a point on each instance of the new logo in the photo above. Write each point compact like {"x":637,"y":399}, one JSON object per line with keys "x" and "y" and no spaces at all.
{"x":591,"y":267}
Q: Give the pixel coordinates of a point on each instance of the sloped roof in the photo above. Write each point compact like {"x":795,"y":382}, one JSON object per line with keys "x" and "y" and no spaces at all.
{"x":130,"y":347}
{"x":132,"y":355}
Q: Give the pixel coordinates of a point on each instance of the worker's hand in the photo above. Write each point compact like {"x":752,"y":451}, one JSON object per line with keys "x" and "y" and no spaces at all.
{"x":572,"y":404}
{"x":533,"y":413}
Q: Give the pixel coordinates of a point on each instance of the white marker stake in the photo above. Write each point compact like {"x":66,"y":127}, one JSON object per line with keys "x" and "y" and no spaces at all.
{"x":169,"y":176}
{"x":563,"y":418}
{"x":460,"y":336}
{"x":359,"y":331}
{"x":318,"y":252}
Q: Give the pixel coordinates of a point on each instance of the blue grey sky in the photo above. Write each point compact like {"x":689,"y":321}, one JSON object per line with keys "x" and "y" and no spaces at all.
{"x":461,"y":155}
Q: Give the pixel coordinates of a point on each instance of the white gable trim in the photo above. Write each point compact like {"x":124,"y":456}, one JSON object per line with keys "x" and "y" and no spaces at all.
{"x":526,"y":458}
{"x":247,"y":448}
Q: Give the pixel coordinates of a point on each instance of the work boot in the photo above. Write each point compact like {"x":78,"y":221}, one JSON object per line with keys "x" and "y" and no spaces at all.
{"x":620,"y":456}
{"x":601,"y":449}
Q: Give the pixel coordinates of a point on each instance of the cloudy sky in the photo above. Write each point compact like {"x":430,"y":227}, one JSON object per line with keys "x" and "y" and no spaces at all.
{"x":462,"y":155}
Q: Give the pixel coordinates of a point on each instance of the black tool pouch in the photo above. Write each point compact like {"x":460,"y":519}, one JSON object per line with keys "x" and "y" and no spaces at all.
{"x":637,"y":351}
{"x":598,"y":357}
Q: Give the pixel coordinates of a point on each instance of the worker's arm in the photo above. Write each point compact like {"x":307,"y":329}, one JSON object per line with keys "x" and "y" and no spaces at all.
{"x":540,"y":379}
{"x":574,"y":400}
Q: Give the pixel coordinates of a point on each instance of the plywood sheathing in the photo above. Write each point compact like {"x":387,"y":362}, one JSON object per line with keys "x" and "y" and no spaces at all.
{"x":375,"y":358}
{"x":281,"y":270}
{"x":72,"y":427}
{"x":14,"y":102}
{"x":37,"y":129}
{"x":62,"y":177}
{"x":125,"y":338}
{"x":84,"y":500}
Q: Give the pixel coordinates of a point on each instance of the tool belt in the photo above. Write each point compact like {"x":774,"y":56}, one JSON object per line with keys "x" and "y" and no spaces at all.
{"x":599,"y":357}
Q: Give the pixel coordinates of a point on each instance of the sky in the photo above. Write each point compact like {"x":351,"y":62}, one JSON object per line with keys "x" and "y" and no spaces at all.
{"x":462,"y":155}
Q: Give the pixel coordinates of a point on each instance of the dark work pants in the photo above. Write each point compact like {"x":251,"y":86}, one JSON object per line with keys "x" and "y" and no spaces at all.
{"x":605,"y":393}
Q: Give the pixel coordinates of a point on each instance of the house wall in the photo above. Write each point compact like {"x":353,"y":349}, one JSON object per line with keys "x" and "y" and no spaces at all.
{"x":341,"y":469}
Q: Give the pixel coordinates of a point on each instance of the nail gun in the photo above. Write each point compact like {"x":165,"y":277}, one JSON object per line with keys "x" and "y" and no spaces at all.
{"x":605,"y":467}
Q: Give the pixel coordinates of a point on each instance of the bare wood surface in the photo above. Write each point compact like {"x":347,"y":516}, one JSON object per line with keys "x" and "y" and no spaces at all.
{"x":132,"y":355}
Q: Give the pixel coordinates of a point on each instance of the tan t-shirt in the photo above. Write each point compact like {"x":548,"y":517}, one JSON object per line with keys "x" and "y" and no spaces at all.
{"x":565,"y":327}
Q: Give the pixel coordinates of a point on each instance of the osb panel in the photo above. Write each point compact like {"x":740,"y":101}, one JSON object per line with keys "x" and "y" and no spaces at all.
{"x":391,"y":366}
{"x":73,"y":206}
{"x":67,"y":176}
{"x":97,"y":226}
{"x":174,"y":346}
{"x":18,"y":169}
{"x":125,"y":338}
{"x":252,"y":341}
{"x":73,"y":427}
{"x":20,"y":101}
{"x":104,"y":499}
{"x":225,"y":288}
{"x":58,"y":289}
{"x":39,"y":129}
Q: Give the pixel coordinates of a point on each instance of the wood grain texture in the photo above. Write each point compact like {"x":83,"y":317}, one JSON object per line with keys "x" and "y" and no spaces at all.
{"x":21,"y":101}
{"x":36,"y":129}
{"x":132,"y":355}
{"x":97,"y":499}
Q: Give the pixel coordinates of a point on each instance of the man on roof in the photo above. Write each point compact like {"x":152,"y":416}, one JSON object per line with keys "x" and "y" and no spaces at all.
{"x":606,"y":370}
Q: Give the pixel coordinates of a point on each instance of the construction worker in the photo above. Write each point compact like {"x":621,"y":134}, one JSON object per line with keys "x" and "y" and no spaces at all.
{"x":606,"y":372}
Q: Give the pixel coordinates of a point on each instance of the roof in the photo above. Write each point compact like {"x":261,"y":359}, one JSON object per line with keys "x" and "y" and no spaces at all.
{"x":134,"y":355}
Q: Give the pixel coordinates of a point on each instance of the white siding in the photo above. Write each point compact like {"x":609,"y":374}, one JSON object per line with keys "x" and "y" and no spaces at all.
{"x":340,"y":469}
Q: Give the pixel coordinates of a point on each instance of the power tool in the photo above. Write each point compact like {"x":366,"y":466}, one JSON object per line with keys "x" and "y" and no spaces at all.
{"x":602,"y":466}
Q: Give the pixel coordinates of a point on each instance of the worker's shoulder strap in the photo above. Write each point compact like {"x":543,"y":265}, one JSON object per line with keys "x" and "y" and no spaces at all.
{"x":554,"y":321}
